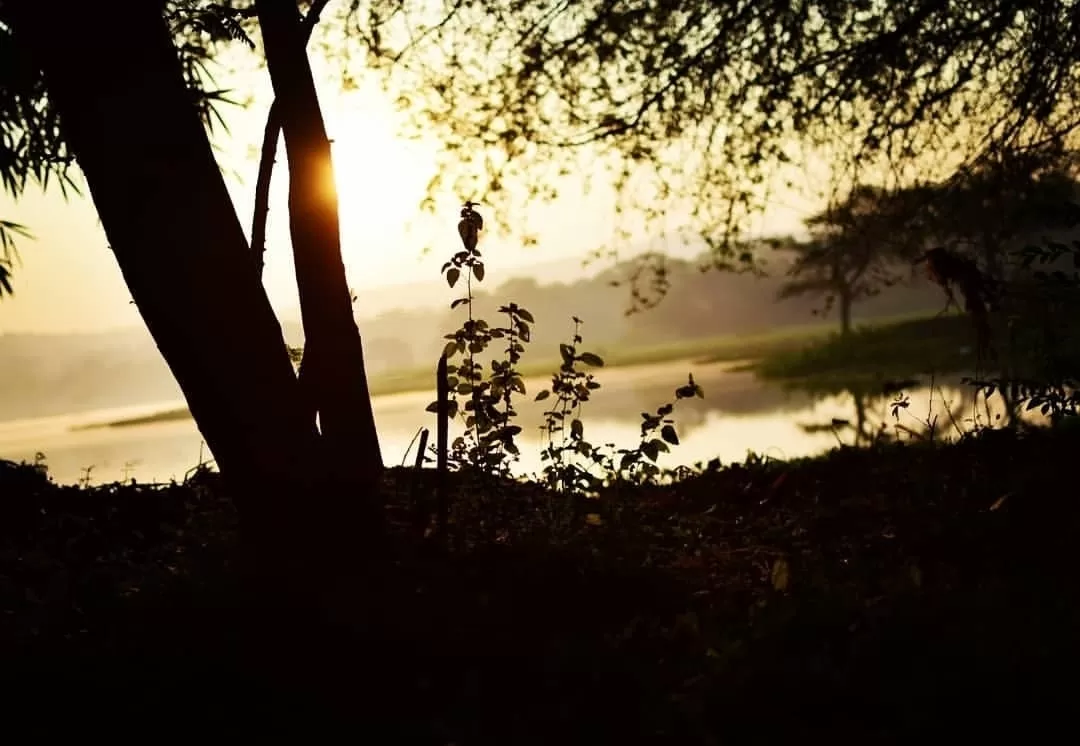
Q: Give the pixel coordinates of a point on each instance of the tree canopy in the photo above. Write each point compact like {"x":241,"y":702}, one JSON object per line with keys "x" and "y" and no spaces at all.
{"x":704,"y":106}
{"x":32,"y":148}
{"x":986,"y":208}
{"x":699,"y":111}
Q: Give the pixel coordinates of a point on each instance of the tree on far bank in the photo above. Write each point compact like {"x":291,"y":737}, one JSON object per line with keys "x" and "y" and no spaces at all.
{"x":854,"y":251}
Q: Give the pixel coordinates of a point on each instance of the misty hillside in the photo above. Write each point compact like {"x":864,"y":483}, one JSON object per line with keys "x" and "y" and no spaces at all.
{"x":46,"y":375}
{"x":699,"y":305}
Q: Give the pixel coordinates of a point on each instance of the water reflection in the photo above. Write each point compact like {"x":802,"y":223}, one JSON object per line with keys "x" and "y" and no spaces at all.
{"x":739,"y":414}
{"x":928,"y":409}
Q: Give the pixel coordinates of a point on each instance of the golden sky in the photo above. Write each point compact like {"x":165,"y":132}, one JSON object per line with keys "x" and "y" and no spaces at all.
{"x":69,"y":281}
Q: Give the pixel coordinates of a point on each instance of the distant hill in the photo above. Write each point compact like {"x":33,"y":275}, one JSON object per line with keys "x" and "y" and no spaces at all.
{"x":432,"y":293}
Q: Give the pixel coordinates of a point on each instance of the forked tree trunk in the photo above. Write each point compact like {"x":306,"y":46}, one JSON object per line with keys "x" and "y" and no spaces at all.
{"x":334,"y":359}
{"x":268,"y":153}
{"x":131,"y":124}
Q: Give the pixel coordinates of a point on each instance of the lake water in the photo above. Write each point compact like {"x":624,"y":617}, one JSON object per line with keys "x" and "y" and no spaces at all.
{"x":738,"y":415}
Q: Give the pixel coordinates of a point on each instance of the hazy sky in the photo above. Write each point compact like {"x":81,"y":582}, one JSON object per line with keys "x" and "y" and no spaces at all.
{"x":69,"y":281}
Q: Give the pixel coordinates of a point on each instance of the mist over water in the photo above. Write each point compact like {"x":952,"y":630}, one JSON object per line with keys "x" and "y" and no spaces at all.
{"x":739,"y":414}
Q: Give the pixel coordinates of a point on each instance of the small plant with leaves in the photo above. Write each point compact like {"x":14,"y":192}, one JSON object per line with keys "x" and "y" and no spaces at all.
{"x":484,"y":400}
{"x":572,"y":463}
{"x":489,"y":439}
{"x":563,"y":429}
{"x":638,"y":465}
{"x":505,"y":379}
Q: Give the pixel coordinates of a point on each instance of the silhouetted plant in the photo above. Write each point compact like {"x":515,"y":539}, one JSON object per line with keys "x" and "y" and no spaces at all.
{"x":571,"y":388}
{"x":488,"y":442}
{"x":638,"y":465}
{"x":572,"y":465}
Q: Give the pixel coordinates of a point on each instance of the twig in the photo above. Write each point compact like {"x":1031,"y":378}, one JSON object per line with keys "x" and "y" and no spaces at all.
{"x":442,"y":441}
{"x":419,"y":494}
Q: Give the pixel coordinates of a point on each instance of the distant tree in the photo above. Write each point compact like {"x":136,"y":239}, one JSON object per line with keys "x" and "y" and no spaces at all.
{"x":854,"y":251}
{"x":859,"y":243}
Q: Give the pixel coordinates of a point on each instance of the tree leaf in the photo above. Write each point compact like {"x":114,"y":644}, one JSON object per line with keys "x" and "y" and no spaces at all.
{"x":668,"y":433}
{"x":590,"y":359}
{"x":452,"y":276}
{"x":478,"y":271}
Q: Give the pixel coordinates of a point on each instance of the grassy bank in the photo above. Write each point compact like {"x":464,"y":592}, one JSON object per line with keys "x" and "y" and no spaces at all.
{"x":865,"y":596}
{"x":718,"y":349}
{"x":871,"y":354}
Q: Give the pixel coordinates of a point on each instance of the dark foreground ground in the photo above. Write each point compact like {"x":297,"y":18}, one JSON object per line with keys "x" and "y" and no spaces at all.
{"x":869,"y":596}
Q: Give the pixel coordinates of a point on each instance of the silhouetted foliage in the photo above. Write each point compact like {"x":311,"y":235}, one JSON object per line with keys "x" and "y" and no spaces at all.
{"x":700,"y":106}
{"x":993,"y":207}
{"x":878,"y":592}
{"x":9,"y":254}
{"x":32,"y":148}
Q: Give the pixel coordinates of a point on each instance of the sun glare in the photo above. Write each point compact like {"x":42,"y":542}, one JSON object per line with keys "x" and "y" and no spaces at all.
{"x":380,"y":181}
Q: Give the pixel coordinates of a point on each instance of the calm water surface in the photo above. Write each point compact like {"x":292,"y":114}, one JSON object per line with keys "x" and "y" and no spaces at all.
{"x":738,"y":415}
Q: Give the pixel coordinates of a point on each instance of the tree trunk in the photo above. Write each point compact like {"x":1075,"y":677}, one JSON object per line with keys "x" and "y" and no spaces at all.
{"x":268,"y":153}
{"x":333,"y":359}
{"x":844,"y":302}
{"x":130,"y":121}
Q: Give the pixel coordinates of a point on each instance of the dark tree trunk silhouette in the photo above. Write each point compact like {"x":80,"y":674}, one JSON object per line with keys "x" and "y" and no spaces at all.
{"x":268,"y":152}
{"x":137,"y":137}
{"x":333,"y":360}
